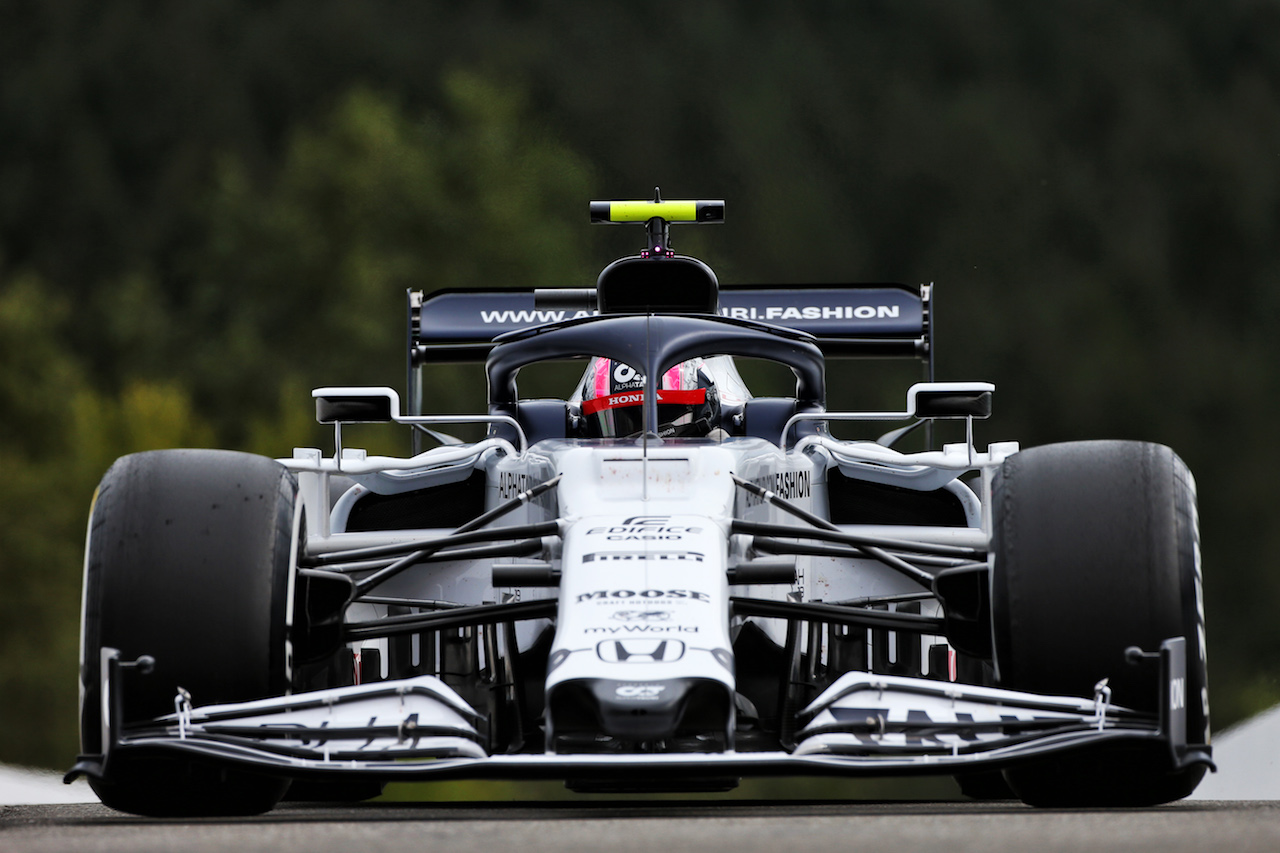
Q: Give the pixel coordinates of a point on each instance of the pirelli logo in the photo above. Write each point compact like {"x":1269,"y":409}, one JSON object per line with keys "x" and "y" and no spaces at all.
{"x":658,"y":556}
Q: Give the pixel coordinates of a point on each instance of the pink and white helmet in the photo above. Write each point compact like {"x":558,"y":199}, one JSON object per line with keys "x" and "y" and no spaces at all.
{"x":612,"y":400}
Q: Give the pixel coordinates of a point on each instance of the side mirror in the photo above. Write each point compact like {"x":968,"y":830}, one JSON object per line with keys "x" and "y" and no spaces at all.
{"x":950,"y":399}
{"x":378,"y":405}
{"x":356,"y":405}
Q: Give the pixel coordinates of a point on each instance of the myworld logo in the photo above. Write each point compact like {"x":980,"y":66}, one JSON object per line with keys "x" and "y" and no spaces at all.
{"x":642,"y":629}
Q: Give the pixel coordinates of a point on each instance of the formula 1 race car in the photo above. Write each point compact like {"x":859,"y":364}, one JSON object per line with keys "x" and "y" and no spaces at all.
{"x":658,"y":582}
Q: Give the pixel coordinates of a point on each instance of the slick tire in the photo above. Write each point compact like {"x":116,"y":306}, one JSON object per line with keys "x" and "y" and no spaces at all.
{"x":188,"y":560}
{"x":1096,"y":548}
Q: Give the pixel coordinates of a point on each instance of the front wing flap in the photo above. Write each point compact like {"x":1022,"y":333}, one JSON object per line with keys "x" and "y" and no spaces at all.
{"x":863,"y":724}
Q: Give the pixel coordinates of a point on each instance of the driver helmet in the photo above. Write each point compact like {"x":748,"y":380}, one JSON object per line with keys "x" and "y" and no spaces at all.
{"x":611,"y":397}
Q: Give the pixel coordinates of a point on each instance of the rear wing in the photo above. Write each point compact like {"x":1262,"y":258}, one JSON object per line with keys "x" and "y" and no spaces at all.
{"x":856,"y":321}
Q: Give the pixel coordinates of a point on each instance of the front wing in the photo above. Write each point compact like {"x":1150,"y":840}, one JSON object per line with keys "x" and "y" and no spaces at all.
{"x":863,"y":724}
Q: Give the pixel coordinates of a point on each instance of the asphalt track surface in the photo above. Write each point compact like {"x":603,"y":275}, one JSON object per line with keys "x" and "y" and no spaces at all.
{"x":666,"y":827}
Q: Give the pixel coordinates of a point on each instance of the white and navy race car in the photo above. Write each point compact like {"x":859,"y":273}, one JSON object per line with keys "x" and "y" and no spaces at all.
{"x":658,"y":582}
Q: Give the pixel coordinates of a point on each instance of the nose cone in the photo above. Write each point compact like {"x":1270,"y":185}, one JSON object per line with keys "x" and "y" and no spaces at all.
{"x":640,"y":654}
{"x":659,"y":710}
{"x":641,"y":710}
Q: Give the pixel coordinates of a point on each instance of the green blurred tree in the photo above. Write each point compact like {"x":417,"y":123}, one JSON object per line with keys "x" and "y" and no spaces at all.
{"x":302,"y":281}
{"x":57,"y":436}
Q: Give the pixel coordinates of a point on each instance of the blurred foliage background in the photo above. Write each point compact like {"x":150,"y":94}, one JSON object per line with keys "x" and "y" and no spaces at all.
{"x":209,"y":207}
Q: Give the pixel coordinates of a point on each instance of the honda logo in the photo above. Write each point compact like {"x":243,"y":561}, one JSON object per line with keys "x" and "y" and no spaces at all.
{"x":640,"y":651}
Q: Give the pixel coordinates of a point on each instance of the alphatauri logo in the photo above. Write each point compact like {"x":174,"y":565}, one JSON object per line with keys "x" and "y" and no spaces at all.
{"x":640,"y":692}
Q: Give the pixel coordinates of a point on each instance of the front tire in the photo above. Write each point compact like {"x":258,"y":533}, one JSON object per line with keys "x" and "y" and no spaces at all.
{"x":1096,"y":549}
{"x":188,"y":559}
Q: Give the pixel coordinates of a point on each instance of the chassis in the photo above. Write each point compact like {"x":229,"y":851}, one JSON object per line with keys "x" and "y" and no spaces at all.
{"x":646,"y":614}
